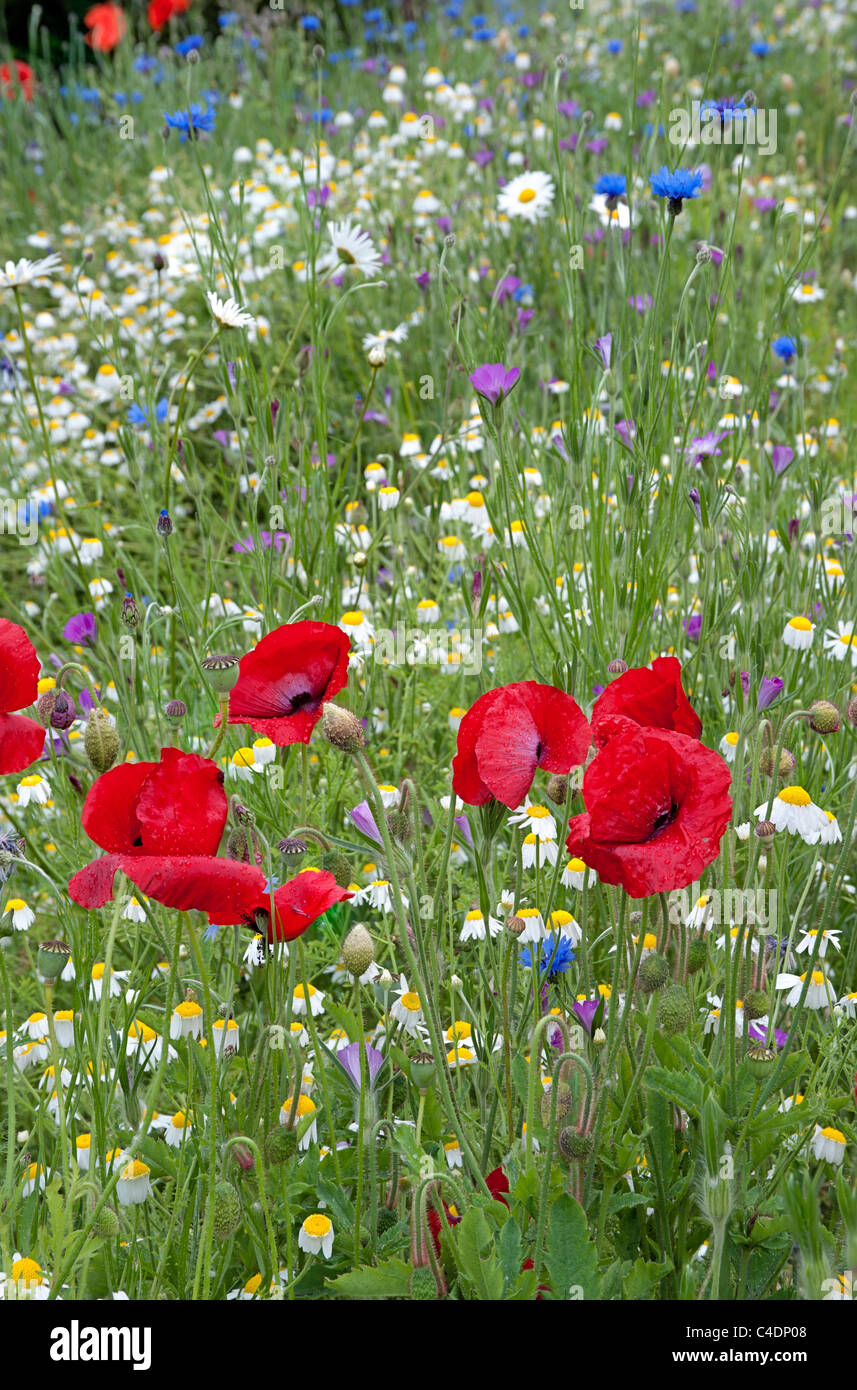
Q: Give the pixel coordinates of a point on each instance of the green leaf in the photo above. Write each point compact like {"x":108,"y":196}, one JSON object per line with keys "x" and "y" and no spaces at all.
{"x":509,"y":1246}
{"x":620,"y":1200}
{"x":388,"y":1280}
{"x":683,"y":1088}
{"x":477,"y":1256}
{"x":570,"y":1257}
{"x":645,"y":1275}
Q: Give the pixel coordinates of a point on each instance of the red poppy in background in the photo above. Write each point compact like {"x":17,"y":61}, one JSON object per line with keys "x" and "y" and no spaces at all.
{"x":150,"y":811}
{"x":16,"y":77}
{"x":231,"y":893}
{"x":287,"y":678}
{"x":161,"y":11}
{"x":510,"y":732}
{"x":652,"y":697}
{"x":107,"y":26}
{"x":21,"y":739}
{"x":658,"y":804}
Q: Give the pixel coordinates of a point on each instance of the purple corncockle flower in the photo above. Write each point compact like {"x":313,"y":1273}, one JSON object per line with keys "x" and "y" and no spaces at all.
{"x":693,"y":626}
{"x":769,"y":691}
{"x":423,"y":279}
{"x":494,"y":382}
{"x":604,"y":347}
{"x":523,"y":317}
{"x":597,"y":690}
{"x":761,"y":1034}
{"x":794,"y":529}
{"x":278,"y":540}
{"x":476,"y":586}
{"x":597,"y":146}
{"x":745,"y":684}
{"x":86,"y":702}
{"x":81,"y":629}
{"x":506,"y":286}
{"x":482,"y":157}
{"x":626,"y":429}
{"x":764,"y":204}
{"x":781,"y":457}
{"x":569,"y":142}
{"x":443,"y":224}
{"x":317,"y":197}
{"x":464,"y":829}
{"x":641,"y":302}
{"x":704,"y":446}
{"x":586,"y":1010}
{"x":365,"y":821}
{"x":349,"y":1060}
{"x":568,"y":108}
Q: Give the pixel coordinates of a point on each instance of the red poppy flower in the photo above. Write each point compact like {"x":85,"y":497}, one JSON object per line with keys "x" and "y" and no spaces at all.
{"x":16,"y":77}
{"x":653,"y":698}
{"x":107,"y":25}
{"x":511,"y":731}
{"x":21,"y":739}
{"x":161,"y":11}
{"x":229,"y":892}
{"x":150,"y":811}
{"x":287,"y":678}
{"x":658,"y":806}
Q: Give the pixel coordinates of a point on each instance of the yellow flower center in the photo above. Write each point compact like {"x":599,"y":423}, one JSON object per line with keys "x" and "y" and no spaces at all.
{"x":26,"y":1271}
{"x":794,"y":796}
{"x":836,"y":1134}
{"x":526,"y":195}
{"x":411,"y":1002}
{"x":800,"y":624}
{"x":317,"y":1225}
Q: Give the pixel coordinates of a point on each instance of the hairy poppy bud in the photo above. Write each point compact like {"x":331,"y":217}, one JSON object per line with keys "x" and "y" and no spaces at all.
{"x":824,"y":717}
{"x":557,"y":789}
{"x":574,"y":1144}
{"x":226,"y":1211}
{"x":851,"y":712}
{"x":45,"y":705}
{"x":674,"y":1011}
{"x":334,"y":861}
{"x":755,"y":1004}
{"x":766,"y":762}
{"x":399,"y":826}
{"x":697,"y":955}
{"x":563,"y":1101}
{"x":358,"y":950}
{"x":106,"y":1224}
{"x":63,"y":713}
{"x":280,"y":1144}
{"x":100,"y":740}
{"x":342,"y":728}
{"x":653,"y":973}
{"x":221,"y":671}
{"x":422,"y":1284}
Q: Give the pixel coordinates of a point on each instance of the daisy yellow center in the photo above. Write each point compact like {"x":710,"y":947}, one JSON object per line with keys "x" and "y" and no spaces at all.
{"x":451,"y":1147}
{"x":300,"y":993}
{"x":561,"y":918}
{"x":317,"y":1225}
{"x":188,"y":1009}
{"x":14,"y":905}
{"x":411,"y":1002}
{"x":253,"y":1284}
{"x":794,"y":796}
{"x":30,"y":781}
{"x":537,"y":812}
{"x":354,"y":618}
{"x":179,"y":1120}
{"x":135,"y":1169}
{"x":732,"y":739}
{"x":475,"y":916}
{"x":836,"y":1134}
{"x":64,"y":1016}
{"x":527,"y":912}
{"x":526,"y":195}
{"x":459,"y":1030}
{"x":26,"y":1271}
{"x":98,"y":972}
{"x":83,"y":1141}
{"x":800,"y":624}
{"x":576,"y":866}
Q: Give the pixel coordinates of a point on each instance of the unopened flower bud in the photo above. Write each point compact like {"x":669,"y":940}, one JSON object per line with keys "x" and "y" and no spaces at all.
{"x":456,"y":982}
{"x":130,"y":612}
{"x":674,"y":1011}
{"x":755,"y":1004}
{"x":400,"y":826}
{"x":222,"y":672}
{"x":599,"y":1037}
{"x":165,"y":525}
{"x":342,"y":728}
{"x":574,"y":1144}
{"x":100,"y":740}
{"x":358,"y":950}
{"x":335,"y":862}
{"x":653,"y":973}
{"x":63,"y":713}
{"x":562,"y":1102}
{"x":766,"y":830}
{"x":159,"y":262}
{"x":557,"y":789}
{"x":786,"y":764}
{"x":377,"y":356}
{"x":824,"y":717}
{"x":226,"y":1211}
{"x":280,"y":1144}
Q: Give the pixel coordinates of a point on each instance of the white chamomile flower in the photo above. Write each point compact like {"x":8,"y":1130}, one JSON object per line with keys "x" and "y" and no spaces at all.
{"x":728,"y":746}
{"x":842,"y":643}
{"x":24,"y":272}
{"x":797,"y":634}
{"x":539,"y":849}
{"x":475,"y":927}
{"x":528,"y":196}
{"x":537,"y":819}
{"x":350,"y":246}
{"x":299,"y":1001}
{"x":453,"y":1155}
{"x":576,"y":874}
{"x":22,"y":916}
{"x":828,"y":1143}
{"x":794,"y":810}
{"x":134,"y":1183}
{"x":534,"y":927}
{"x":407,"y":1009}
{"x":819,"y":992}
{"x":228,"y":313}
{"x":33,"y":788}
{"x":567,"y":925}
{"x":177,"y":1129}
{"x":133,"y":911}
{"x":316,"y":1235}
{"x":828,"y":938}
{"x":186,"y":1020}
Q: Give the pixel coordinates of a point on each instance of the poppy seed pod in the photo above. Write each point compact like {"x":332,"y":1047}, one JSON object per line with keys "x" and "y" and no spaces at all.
{"x":422,"y":1070}
{"x":221,"y":672}
{"x":175,"y":711}
{"x":358,"y":950}
{"x":760,"y":1061}
{"x":292,"y":849}
{"x":824,"y":717}
{"x":617,"y":667}
{"x":51,"y":959}
{"x":100,"y":740}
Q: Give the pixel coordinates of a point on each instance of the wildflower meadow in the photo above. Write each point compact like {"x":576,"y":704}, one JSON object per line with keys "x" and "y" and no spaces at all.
{"x":428,"y":661}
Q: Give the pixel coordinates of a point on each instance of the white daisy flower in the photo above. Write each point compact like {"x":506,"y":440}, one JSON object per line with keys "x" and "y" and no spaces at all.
{"x":528,"y":196}
{"x":316,"y":1235}
{"x":797,"y":634}
{"x":350,"y":246}
{"x":475,"y":927}
{"x":818,"y":995}
{"x":228,"y":313}
{"x":794,"y":810}
{"x":576,"y":873}
{"x":828,"y":1143}
{"x":24,"y":272}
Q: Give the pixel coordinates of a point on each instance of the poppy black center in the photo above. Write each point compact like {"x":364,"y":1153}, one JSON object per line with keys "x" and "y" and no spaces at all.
{"x":662,"y":821}
{"x":306,"y":697}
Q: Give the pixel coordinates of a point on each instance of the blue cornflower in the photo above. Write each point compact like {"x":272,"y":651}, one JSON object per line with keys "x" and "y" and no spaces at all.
{"x":676,"y":186}
{"x":614,"y":45}
{"x":138,"y":416}
{"x":190,"y":44}
{"x":760,"y":49}
{"x":189,"y":123}
{"x":610,"y":185}
{"x":785,"y":348}
{"x":310,"y":21}
{"x":555,"y":956}
{"x":726,"y":109}
{"x":227,"y":19}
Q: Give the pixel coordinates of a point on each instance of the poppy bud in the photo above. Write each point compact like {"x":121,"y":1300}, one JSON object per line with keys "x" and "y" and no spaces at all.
{"x":280,"y":1144}
{"x":422,"y":1284}
{"x":399,"y":826}
{"x":697,"y":955}
{"x":342,"y":728}
{"x":563,"y":1102}
{"x":557,"y":789}
{"x":766,"y":762}
{"x":226,"y":1211}
{"x":51,"y":959}
{"x":175,"y":711}
{"x":335,"y":862}
{"x":159,"y":262}
{"x":851,"y":712}
{"x":755,"y":1004}
{"x":106,"y":1224}
{"x":130,"y":612}
{"x":574,"y":1144}
{"x":100,"y":740}
{"x":63,"y":713}
{"x":221,"y":671}
{"x":653,"y":973}
{"x":824,"y":717}
{"x":674,"y":1011}
{"x":386,"y":1219}
{"x":358,"y":950}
